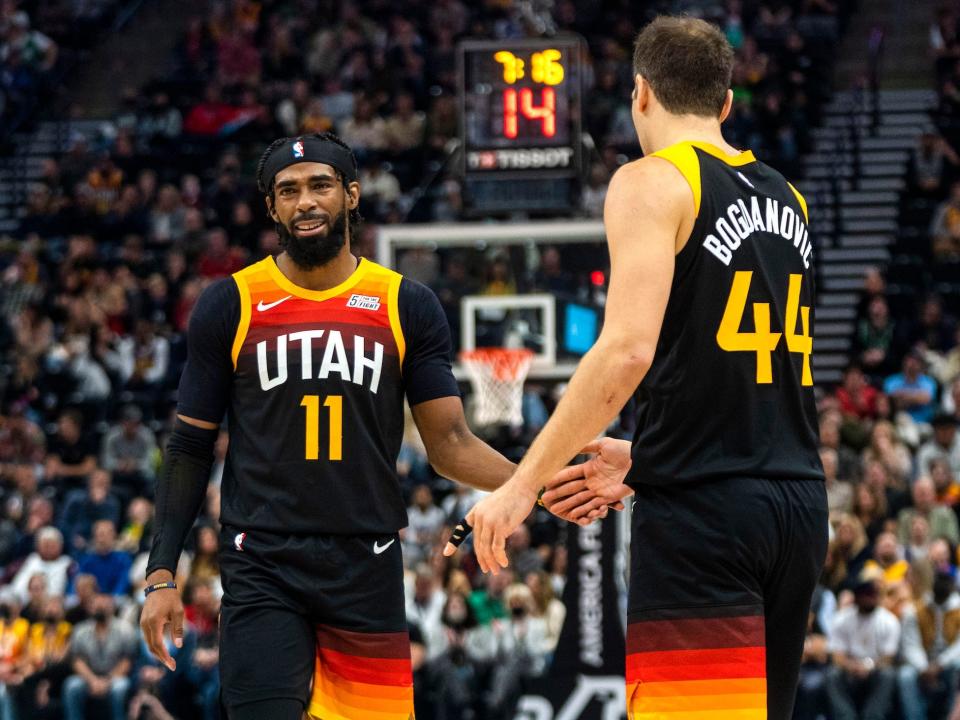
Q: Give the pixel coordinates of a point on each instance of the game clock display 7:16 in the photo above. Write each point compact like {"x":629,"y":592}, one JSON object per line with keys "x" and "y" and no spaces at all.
{"x":520,"y":106}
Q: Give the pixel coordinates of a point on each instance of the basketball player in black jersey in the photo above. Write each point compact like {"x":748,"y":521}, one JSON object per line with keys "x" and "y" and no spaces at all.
{"x":708,"y":324}
{"x":310,"y":356}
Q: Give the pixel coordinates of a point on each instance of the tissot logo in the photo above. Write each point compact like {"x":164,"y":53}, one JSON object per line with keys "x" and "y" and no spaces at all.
{"x":364,"y":302}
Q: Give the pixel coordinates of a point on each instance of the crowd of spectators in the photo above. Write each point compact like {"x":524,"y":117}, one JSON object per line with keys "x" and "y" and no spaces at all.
{"x":124,"y":230}
{"x":39,"y":43}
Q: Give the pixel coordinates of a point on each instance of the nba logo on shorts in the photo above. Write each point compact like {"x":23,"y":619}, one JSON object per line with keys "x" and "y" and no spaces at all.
{"x":238,"y":541}
{"x":298,"y":149}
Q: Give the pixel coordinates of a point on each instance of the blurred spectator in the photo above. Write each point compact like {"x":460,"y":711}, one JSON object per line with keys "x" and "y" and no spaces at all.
{"x":83,"y":508}
{"x":521,"y":652}
{"x":943,"y":445}
{"x":102,"y":652}
{"x":488,"y":603}
{"x":913,"y":391}
{"x":857,"y":397}
{"x":72,"y":452}
{"x":547,"y":606}
{"x":886,"y":448}
{"x":425,"y":519}
{"x":870,"y":508}
{"x":44,"y":665}
{"x":875,"y":338}
{"x":425,"y":608}
{"x":523,"y":558}
{"x":839,"y":492}
{"x":109,"y":566}
{"x":48,"y":561}
{"x":137,"y":533}
{"x":37,"y":598}
{"x":945,"y":228}
{"x":887,"y":560}
{"x":85,"y":592}
{"x":219,"y":259}
{"x":931,"y":649}
{"x":864,"y":641}
{"x":943,"y":522}
{"x":948,"y":491}
{"x":129,"y":453}
{"x":930,"y":159}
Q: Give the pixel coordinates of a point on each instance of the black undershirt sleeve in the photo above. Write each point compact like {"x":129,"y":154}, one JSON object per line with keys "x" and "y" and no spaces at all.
{"x":427,"y":373}
{"x":208,"y":374}
{"x":204,"y":392}
{"x":181,"y":490}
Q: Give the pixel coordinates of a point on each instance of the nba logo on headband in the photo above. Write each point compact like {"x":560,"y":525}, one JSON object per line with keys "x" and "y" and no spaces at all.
{"x":298,"y":149}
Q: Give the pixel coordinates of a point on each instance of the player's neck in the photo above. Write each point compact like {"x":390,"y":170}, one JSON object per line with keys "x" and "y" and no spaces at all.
{"x":688,"y":129}
{"x":321,"y":278}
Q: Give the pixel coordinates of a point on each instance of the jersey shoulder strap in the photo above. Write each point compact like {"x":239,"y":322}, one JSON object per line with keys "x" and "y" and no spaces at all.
{"x":252,"y":274}
{"x":801,"y":200}
{"x":380,"y":281}
{"x":683,"y":157}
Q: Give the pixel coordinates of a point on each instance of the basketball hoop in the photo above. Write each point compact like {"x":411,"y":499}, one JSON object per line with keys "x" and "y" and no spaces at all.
{"x":497,"y":376}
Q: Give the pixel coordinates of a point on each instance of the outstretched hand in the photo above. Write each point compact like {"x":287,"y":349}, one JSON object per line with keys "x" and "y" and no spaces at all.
{"x":582,"y":493}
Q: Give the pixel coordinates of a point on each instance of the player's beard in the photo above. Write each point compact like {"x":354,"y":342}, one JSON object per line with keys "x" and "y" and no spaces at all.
{"x":314,"y":252}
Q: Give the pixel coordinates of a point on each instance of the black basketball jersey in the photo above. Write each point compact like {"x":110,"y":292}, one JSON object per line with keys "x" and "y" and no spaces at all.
{"x":730,"y":390}
{"x":313,"y":386}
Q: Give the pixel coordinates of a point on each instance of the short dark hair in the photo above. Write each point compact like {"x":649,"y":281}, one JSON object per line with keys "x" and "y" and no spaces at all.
{"x":688,"y":63}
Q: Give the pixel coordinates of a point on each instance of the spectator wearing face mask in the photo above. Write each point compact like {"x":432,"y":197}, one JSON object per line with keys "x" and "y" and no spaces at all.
{"x":101,"y":656}
{"x":864,"y":641}
{"x":45,"y":664}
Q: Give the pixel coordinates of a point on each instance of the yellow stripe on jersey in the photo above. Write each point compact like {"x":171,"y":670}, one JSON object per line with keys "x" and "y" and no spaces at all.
{"x":801,"y":200}
{"x":244,"y":324}
{"x":684,"y":158}
{"x":744,"y":158}
{"x":394,"y":310}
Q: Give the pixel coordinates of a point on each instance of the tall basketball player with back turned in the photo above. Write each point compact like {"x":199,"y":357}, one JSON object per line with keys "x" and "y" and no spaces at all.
{"x":708,"y":322}
{"x":310,"y":355}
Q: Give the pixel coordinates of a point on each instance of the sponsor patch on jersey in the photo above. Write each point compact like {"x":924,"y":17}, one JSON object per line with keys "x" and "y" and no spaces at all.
{"x":364,"y":302}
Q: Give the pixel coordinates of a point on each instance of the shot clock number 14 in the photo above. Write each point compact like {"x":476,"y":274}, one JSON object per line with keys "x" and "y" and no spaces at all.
{"x":520,"y":106}
{"x":546,"y":67}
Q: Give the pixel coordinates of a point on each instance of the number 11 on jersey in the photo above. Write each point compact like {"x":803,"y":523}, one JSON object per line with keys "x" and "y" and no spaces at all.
{"x":312,"y":405}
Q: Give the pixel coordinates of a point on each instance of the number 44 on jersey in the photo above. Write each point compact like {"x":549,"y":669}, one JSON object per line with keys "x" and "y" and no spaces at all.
{"x":761,"y":340}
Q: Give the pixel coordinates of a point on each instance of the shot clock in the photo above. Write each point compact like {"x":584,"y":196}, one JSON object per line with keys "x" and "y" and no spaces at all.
{"x":520,"y":121}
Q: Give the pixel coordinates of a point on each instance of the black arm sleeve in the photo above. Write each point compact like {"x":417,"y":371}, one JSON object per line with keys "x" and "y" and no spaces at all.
{"x":427,"y":374}
{"x":181,"y":489}
{"x":208,"y":374}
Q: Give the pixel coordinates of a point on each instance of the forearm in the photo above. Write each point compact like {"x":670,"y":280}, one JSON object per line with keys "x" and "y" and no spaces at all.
{"x":466,"y":459}
{"x":181,"y":491}
{"x":121,"y":669}
{"x":604,"y":381}
{"x":83,"y":670}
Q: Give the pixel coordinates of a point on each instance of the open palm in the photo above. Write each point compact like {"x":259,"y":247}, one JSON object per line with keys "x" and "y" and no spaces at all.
{"x":584,"y":492}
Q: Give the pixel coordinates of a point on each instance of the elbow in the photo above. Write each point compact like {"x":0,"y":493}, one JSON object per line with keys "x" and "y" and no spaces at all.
{"x":635,"y":360}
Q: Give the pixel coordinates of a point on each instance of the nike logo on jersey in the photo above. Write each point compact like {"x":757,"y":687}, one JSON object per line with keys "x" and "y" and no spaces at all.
{"x":378,"y":548}
{"x":744,"y":178}
{"x":263,"y":307}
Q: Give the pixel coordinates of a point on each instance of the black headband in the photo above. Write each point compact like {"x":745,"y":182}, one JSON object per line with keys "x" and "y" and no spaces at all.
{"x":308,"y":149}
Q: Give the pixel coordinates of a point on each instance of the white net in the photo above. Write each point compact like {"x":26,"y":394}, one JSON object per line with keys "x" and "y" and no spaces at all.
{"x":497,"y":376}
